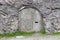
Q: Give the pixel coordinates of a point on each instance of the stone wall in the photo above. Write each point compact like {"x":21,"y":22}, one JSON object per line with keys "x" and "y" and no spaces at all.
{"x":50,"y":12}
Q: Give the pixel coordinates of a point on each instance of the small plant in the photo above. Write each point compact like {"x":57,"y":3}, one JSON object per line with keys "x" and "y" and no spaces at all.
{"x":42,"y":31}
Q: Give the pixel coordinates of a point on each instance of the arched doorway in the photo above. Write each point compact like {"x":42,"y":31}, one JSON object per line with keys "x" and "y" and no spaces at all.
{"x":29,"y":19}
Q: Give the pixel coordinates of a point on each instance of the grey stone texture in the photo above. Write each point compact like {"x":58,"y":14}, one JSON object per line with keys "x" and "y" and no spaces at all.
{"x":29,"y":15}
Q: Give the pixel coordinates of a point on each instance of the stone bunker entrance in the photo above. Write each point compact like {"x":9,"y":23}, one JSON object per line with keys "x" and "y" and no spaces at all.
{"x":30,"y":19}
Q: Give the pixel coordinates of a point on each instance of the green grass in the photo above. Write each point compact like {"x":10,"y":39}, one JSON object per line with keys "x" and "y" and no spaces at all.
{"x":21,"y":33}
{"x":56,"y":33}
{"x":42,"y":31}
{"x":17,"y":33}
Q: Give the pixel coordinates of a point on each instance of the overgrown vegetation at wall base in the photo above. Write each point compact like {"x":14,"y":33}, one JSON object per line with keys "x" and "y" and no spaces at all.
{"x":17,"y":33}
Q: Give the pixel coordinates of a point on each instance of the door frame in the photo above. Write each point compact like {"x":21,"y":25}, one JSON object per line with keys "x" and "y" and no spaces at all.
{"x":22,"y":7}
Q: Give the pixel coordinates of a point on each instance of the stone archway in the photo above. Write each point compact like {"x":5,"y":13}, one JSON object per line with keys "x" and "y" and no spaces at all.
{"x":30,"y":19}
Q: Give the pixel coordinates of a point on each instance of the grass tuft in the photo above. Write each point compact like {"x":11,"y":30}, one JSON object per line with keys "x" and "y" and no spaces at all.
{"x":42,"y":31}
